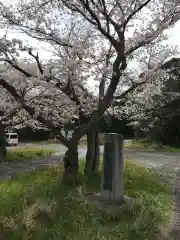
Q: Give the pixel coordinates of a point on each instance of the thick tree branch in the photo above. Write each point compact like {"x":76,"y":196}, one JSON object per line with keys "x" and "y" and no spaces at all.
{"x":96,"y":21}
{"x":67,"y":89}
{"x":129,"y":90}
{"x":117,"y":73}
{"x":17,"y":67}
{"x":103,"y":79}
{"x":31,"y":110}
{"x":36,"y":57}
{"x":46,"y":36}
{"x":133,"y":13}
{"x":167,"y":21}
{"x":165,"y":66}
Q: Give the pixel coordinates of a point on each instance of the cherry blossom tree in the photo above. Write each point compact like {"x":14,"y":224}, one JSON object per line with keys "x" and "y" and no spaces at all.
{"x":157,"y":104}
{"x":107,"y":25}
{"x":68,"y":68}
{"x":11,"y":114}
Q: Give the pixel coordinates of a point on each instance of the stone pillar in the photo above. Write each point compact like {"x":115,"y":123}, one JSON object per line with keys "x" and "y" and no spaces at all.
{"x":112,"y":184}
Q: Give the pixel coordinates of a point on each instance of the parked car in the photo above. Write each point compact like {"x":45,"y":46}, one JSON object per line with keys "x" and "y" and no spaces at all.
{"x":12,"y":139}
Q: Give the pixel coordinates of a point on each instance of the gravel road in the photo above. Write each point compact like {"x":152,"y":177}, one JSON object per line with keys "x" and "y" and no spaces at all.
{"x":167,"y":165}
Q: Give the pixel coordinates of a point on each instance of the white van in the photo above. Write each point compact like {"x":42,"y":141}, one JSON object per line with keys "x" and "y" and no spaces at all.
{"x":12,"y":139}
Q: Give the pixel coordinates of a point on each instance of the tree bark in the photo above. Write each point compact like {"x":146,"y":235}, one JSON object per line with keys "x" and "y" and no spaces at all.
{"x":93,"y":153}
{"x":3,"y":150}
{"x":71,"y":164}
{"x":136,"y":133}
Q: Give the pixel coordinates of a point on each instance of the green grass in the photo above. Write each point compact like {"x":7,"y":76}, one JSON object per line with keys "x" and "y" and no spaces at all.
{"x":150,"y":146}
{"x":26,"y":153}
{"x":39,"y":206}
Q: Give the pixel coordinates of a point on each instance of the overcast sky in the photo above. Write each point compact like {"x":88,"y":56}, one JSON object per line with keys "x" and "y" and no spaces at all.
{"x":174,"y":34}
{"x":8,"y":2}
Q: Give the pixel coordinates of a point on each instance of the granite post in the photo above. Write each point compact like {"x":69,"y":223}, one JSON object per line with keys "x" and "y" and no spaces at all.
{"x":112,"y":183}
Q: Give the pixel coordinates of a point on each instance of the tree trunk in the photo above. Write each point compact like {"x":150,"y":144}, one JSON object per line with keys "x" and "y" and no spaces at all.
{"x":93,"y":153}
{"x":71,"y":164}
{"x":3,"y":150}
{"x":66,"y":133}
{"x":136,"y":133}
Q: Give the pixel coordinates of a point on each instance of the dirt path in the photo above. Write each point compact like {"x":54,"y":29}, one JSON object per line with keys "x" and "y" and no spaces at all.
{"x":9,"y":170}
{"x":171,"y":176}
{"x":155,"y":160}
{"x":167,"y":165}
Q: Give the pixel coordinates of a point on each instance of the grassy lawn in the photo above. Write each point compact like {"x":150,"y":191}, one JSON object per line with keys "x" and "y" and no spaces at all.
{"x":150,"y":146}
{"x":26,"y":153}
{"x":39,"y":206}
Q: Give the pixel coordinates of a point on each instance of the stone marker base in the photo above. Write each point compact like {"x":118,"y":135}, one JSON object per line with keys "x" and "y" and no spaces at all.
{"x":110,"y":208}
